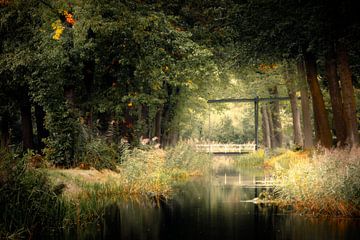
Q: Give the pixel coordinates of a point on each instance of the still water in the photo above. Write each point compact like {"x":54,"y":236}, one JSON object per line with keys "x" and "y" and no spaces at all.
{"x":216,"y":208}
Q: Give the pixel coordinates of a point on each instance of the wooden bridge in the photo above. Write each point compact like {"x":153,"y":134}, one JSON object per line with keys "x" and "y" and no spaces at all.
{"x":226,"y":148}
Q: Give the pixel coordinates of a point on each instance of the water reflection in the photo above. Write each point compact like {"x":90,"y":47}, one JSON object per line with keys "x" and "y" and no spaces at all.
{"x":210,"y":209}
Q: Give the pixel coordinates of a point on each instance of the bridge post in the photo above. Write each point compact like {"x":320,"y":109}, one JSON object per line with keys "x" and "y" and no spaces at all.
{"x":256,"y":102}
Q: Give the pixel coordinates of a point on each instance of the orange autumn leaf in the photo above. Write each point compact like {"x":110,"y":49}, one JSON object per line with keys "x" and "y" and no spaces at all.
{"x":69,"y":18}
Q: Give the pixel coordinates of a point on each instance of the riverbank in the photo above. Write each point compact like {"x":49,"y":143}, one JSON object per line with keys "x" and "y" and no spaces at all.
{"x":76,"y":197}
{"x":47,"y":199}
{"x":323,"y":182}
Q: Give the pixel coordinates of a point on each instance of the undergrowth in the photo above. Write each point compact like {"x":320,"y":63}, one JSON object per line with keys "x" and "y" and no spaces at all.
{"x":92,"y":150}
{"x":29,"y":205}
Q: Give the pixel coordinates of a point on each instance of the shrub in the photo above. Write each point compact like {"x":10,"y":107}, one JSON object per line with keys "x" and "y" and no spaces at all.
{"x":94,"y":151}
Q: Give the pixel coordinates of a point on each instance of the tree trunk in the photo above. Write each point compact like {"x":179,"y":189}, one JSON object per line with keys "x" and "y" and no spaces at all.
{"x":41,"y":131}
{"x":165,"y":128}
{"x":305,"y":107}
{"x":5,"y":136}
{"x":298,"y":140}
{"x":265,"y":127}
{"x":320,"y":114}
{"x":168,"y":113}
{"x":275,"y":110}
{"x":145,"y":124}
{"x":335,"y":97}
{"x":271,"y":127}
{"x":173,"y":137}
{"x":88,"y":74}
{"x":26,"y":123}
{"x":128,"y":127}
{"x":347,"y":91}
{"x":69,"y":93}
{"x":158,"y":120}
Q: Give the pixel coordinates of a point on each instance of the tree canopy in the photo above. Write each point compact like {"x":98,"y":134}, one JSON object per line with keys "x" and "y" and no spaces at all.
{"x":131,"y":69}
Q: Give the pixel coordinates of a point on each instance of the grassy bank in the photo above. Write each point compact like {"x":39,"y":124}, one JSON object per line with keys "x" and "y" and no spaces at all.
{"x":251,"y":160}
{"x":319,"y":183}
{"x":81,"y":196}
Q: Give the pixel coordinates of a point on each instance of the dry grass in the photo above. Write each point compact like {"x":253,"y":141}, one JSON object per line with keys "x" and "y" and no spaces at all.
{"x":287,"y":159}
{"x":327,"y":183}
{"x":144,"y":175}
{"x":75,"y":179}
{"x":144,"y":172}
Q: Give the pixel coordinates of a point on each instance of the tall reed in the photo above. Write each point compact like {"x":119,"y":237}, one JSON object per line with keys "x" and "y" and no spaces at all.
{"x":147,"y":176}
{"x":327,"y":183}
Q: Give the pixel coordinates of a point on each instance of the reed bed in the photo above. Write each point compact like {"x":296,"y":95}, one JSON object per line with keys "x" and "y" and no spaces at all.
{"x":146,"y":176}
{"x":326,"y":183}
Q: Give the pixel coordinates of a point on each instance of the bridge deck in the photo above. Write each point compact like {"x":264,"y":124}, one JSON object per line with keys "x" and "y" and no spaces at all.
{"x":226,"y":148}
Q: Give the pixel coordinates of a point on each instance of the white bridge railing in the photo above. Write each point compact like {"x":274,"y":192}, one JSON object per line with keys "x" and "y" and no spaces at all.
{"x":226,"y":148}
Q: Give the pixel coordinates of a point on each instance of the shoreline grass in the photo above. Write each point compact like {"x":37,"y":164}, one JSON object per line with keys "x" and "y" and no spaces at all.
{"x":252,"y":160}
{"x":317,"y":183}
{"x":326,"y":183}
{"x":147,"y":176}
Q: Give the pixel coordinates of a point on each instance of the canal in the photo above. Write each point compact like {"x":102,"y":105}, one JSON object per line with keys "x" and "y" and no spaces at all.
{"x":216,"y":207}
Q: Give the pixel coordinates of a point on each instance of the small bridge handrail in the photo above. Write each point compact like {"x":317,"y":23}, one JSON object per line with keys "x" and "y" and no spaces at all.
{"x":226,"y":148}
{"x":246,"y":144}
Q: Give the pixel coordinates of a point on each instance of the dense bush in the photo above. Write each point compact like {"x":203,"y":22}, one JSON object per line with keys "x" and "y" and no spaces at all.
{"x":93,"y":150}
{"x":28,"y":203}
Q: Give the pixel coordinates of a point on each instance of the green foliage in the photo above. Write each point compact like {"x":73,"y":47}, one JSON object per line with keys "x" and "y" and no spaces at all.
{"x":61,"y":143}
{"x":95,"y":151}
{"x":28,"y":203}
{"x":126,"y":61}
{"x":156,"y":171}
{"x":226,"y":132}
